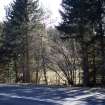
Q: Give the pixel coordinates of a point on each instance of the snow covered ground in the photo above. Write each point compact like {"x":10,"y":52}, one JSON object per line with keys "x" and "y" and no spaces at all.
{"x":12,"y":95}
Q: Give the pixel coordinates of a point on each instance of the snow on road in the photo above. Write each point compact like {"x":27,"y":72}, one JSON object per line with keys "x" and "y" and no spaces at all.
{"x":11,"y":95}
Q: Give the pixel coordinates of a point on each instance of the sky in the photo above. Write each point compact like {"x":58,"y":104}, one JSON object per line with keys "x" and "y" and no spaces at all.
{"x":3,"y":4}
{"x":50,"y":5}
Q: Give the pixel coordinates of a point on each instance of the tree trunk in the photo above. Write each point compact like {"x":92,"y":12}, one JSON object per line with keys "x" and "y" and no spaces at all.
{"x":16,"y":71}
{"x":85,"y":65}
{"x":37,"y":77}
{"x":94,"y":69}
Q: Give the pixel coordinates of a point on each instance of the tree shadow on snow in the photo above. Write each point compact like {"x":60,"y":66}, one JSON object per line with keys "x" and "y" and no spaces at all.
{"x":50,"y":96}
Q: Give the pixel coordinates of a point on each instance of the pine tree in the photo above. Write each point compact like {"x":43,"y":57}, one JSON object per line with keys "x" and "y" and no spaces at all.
{"x":21,"y":18}
{"x":74,"y":24}
{"x":81,"y":18}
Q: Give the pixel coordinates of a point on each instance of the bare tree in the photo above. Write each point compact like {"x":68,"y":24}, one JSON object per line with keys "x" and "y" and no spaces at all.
{"x":64,"y":54}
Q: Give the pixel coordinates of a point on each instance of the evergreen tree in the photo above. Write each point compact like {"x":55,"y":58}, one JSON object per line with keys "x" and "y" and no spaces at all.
{"x":21,"y":18}
{"x":83,"y":21}
{"x":74,"y":16}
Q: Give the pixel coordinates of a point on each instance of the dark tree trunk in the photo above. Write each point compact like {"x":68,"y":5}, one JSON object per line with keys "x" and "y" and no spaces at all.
{"x":45,"y":76}
{"x":94,"y":69}
{"x":37,"y":77}
{"x":85,"y":65}
{"x":16,"y":70}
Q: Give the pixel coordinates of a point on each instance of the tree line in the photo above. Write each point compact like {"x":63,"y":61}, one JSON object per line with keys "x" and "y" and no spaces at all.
{"x":74,"y":49}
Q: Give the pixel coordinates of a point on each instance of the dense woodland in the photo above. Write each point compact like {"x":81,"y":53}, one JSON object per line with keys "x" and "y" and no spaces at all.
{"x":74,"y":49}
